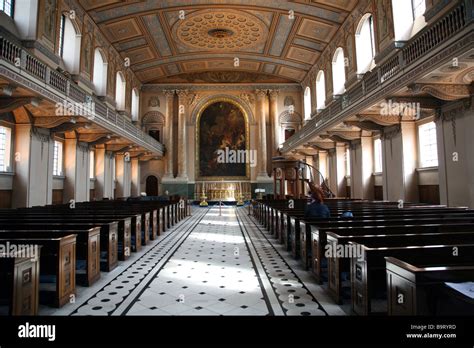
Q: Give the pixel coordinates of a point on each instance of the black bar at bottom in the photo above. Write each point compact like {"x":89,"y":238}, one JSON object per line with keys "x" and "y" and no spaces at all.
{"x":134,"y":330}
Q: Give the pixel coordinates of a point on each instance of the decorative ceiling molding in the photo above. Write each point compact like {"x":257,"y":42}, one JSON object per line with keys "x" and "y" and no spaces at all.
{"x":168,"y":38}
{"x":365,"y":125}
{"x":9,"y":104}
{"x":382,"y":120}
{"x":346,"y":135}
{"x":323,"y":146}
{"x":228,"y":87}
{"x":50,"y":121}
{"x":447,"y":92}
{"x":225,"y":77}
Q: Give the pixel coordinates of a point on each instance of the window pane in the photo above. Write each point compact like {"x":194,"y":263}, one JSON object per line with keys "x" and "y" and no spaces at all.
{"x":348,"y":162}
{"x":4,"y":149}
{"x":419,"y":8}
{"x":378,"y":156}
{"x":61,"y":35}
{"x":7,"y":7}
{"x":91,"y":165}
{"x":428,"y":145}
{"x":307,"y":103}
{"x":58,"y":158}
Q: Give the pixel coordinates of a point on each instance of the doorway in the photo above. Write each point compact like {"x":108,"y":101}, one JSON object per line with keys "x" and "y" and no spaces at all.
{"x":152,"y":186}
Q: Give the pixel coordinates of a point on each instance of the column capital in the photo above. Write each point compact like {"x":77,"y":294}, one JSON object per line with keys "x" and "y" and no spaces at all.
{"x":185,"y":97}
{"x":261,"y":93}
{"x":273,"y":94}
{"x":169,"y":93}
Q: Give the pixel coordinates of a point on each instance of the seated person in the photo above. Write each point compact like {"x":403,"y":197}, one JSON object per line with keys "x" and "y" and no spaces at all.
{"x":316,"y":208}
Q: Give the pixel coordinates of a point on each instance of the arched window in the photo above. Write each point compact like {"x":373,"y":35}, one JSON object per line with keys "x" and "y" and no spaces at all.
{"x":365,"y":44}
{"x":120,"y":91}
{"x":320,"y":91}
{"x":100,"y":73}
{"x":338,"y":72}
{"x":69,"y":44}
{"x":408,"y":18}
{"x":135,"y":104}
{"x":307,"y":103}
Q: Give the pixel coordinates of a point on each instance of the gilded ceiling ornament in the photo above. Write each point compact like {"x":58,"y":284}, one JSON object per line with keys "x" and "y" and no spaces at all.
{"x":220,"y":29}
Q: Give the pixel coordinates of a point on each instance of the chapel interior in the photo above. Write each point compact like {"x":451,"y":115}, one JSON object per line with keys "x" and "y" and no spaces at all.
{"x":160,"y":156}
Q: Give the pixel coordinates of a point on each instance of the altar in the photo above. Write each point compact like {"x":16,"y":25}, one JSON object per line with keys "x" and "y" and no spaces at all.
{"x":225,"y":191}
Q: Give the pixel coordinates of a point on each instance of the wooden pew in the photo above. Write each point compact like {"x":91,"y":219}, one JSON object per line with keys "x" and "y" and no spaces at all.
{"x":123,"y":227}
{"x":57,"y":260}
{"x":298,"y":216}
{"x":87,"y":246}
{"x":108,"y":234}
{"x":415,"y":286}
{"x":368,"y":272}
{"x":19,"y":284}
{"x":302,"y":228}
{"x":94,"y":214}
{"x":319,"y":237}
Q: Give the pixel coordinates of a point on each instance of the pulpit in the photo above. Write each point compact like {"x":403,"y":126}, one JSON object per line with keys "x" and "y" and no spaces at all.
{"x":289,"y":177}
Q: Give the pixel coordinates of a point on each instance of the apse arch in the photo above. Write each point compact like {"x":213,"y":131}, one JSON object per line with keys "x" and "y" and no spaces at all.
{"x":203,"y":151}
{"x":239,"y":101}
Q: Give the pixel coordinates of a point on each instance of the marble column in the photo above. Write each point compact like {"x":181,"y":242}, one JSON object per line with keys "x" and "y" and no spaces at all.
{"x":76,"y":167}
{"x":261,"y":98}
{"x":103,"y":174}
{"x":182,"y":155}
{"x":362,"y":167}
{"x":341,"y":170}
{"x":169,"y":134}
{"x":123,"y":175}
{"x":399,"y":162}
{"x":332,"y":170}
{"x":135,"y":174}
{"x":33,"y":156}
{"x":323,"y":164}
{"x":274,"y":120}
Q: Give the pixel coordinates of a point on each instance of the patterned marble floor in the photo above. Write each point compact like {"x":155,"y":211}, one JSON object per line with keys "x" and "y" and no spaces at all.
{"x":213,"y":263}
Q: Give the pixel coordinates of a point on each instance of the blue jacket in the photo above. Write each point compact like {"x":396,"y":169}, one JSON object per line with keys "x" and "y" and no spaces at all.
{"x":317,"y":210}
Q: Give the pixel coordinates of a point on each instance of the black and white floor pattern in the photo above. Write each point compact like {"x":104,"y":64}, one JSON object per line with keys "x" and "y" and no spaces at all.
{"x":213,"y":263}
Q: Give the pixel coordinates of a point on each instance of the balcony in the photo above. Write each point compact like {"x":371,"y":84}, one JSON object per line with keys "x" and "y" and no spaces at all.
{"x":24,"y":69}
{"x":448,"y":36}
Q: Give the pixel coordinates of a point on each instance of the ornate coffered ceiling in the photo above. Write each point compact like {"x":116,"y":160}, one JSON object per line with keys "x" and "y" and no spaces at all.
{"x":171,"y":41}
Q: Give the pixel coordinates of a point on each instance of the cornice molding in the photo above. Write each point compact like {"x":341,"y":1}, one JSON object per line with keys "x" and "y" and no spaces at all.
{"x":227,"y":87}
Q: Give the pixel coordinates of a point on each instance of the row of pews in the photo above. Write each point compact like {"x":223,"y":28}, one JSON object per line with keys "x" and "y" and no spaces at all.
{"x":389,"y":258}
{"x":76,"y":242}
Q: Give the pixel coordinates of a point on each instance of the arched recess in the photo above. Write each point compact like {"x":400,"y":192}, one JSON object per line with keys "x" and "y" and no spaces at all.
{"x":153,"y":123}
{"x":151,"y":185}
{"x":320,"y":90}
{"x":99,"y":75}
{"x":70,"y":45}
{"x":120,"y":90}
{"x":338,"y":72}
{"x":307,"y":103}
{"x":241,"y":102}
{"x":135,"y":104}
{"x":365,"y":44}
{"x":290,"y":123}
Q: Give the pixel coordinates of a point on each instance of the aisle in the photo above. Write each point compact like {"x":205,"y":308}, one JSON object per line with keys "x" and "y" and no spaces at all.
{"x":209,"y":264}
